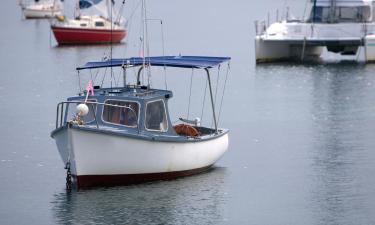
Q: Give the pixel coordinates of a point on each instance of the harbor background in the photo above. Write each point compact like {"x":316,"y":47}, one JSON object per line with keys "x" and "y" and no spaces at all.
{"x":301,"y":135}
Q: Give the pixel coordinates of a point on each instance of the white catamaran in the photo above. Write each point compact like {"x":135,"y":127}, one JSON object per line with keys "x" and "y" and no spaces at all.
{"x":342,"y":26}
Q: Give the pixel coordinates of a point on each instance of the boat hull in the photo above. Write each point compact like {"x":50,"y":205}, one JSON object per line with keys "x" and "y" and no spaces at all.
{"x":281,"y":50}
{"x":87,"y":181}
{"x":101,"y":159}
{"x":67,"y":35}
{"x":41,"y":13}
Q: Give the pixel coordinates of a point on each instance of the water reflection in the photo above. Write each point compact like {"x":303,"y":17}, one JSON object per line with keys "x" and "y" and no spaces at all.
{"x":340,"y":113}
{"x":193,"y":200}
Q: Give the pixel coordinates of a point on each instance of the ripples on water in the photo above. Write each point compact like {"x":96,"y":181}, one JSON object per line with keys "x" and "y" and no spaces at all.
{"x":194,"y":200}
{"x":301,"y":136}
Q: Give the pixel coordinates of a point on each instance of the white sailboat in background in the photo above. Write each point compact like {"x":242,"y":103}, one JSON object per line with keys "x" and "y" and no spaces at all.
{"x":340,"y":26}
{"x":41,"y":8}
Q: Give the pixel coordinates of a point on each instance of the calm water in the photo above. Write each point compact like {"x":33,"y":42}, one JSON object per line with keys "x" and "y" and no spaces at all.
{"x":301,"y":143}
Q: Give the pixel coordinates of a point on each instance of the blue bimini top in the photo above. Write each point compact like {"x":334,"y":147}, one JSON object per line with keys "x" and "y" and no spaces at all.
{"x":198,"y":62}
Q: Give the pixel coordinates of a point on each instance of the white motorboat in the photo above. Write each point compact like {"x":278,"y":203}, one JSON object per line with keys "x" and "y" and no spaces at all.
{"x":342,"y":26}
{"x":42,"y":9}
{"x":124,"y":135}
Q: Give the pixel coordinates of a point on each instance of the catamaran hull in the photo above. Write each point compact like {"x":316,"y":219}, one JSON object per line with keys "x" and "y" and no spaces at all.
{"x":283,"y":50}
{"x":298,"y":41}
{"x":67,"y":35}
{"x":41,"y":13}
{"x":100,"y":159}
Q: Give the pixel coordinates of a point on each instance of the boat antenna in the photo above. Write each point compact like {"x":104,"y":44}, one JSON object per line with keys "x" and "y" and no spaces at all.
{"x":162,"y":44}
{"x":111,"y":6}
{"x":163,"y":49}
{"x":145,"y":42}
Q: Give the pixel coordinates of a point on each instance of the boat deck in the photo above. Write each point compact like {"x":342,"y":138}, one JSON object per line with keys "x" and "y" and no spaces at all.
{"x":319,"y":41}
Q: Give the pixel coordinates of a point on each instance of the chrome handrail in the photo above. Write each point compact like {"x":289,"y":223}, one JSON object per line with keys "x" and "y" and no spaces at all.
{"x":60,"y":111}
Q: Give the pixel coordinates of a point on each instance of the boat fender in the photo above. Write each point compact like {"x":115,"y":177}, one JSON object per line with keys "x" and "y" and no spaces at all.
{"x":82,"y":109}
{"x":60,"y":18}
{"x":186,"y":130}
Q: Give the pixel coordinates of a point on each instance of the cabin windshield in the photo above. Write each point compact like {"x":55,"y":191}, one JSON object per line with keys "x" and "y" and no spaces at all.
{"x":156,"y":118}
{"x":121,"y":112}
{"x":341,"y":14}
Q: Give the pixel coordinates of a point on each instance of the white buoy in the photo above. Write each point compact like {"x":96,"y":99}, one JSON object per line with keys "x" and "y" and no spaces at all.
{"x":82,"y":109}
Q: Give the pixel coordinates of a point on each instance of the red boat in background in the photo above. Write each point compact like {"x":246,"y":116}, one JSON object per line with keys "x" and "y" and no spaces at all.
{"x":94,"y":27}
{"x":88,"y":30}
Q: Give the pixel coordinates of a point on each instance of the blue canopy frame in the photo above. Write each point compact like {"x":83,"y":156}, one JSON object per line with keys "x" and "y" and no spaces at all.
{"x":195,"y":62}
{"x":198,"y":62}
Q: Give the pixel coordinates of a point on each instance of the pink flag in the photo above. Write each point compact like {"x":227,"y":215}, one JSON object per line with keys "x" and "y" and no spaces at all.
{"x":90,"y":88}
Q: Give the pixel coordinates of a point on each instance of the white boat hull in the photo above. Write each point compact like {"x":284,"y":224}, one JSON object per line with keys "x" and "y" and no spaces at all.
{"x":41,"y":13}
{"x":293,"y":40}
{"x":271,"y":51}
{"x":95,"y":155}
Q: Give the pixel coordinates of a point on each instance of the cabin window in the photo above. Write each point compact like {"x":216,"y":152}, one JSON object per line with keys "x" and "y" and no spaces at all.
{"x":83,"y":25}
{"x":99,"y":24}
{"x":156,"y":118}
{"x":353,"y":14}
{"x":341,"y":14}
{"x":121,"y":112}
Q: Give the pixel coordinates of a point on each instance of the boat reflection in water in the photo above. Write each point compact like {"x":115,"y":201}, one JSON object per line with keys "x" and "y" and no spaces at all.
{"x":193,"y":200}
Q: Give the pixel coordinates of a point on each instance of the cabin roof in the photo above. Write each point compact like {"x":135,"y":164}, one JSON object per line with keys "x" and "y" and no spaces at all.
{"x":199,"y":62}
{"x":130,"y":93}
{"x":347,"y":3}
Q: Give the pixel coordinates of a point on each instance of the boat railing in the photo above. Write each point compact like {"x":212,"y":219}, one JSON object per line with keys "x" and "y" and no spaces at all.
{"x":260,"y":27}
{"x":63,"y":109}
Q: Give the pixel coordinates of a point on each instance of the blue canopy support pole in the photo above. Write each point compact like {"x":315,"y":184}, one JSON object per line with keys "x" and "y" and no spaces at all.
{"x":212,"y":99}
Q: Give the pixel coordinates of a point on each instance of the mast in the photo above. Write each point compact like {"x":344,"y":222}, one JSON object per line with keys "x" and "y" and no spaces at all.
{"x":77,"y":11}
{"x":145,"y":47}
{"x":109,"y":9}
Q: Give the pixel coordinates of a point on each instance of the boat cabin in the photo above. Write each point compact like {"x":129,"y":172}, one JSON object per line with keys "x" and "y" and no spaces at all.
{"x":137,"y":110}
{"x":132,"y":109}
{"x":342,"y":11}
